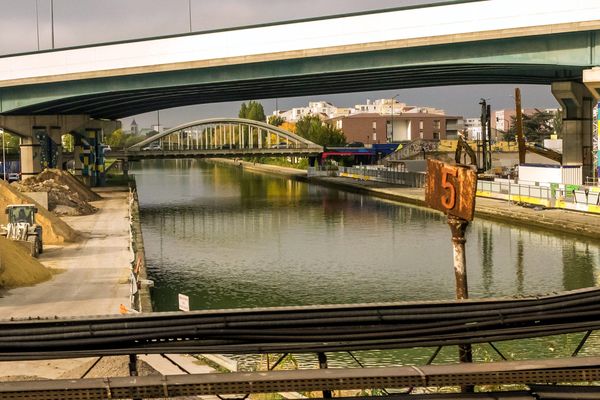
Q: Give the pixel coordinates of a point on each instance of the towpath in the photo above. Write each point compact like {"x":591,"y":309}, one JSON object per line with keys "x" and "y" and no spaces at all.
{"x":93,"y":273}
{"x":93,"y":279}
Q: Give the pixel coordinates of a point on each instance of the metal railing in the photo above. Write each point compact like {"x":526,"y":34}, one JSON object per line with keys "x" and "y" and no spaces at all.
{"x":550,"y":194}
{"x":385,"y":175}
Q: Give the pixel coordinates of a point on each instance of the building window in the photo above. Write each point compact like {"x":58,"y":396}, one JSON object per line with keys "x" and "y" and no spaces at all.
{"x":421,"y":124}
{"x":436,"y":136}
{"x":436,"y":124}
{"x":374,"y":125}
{"x":339,"y":124}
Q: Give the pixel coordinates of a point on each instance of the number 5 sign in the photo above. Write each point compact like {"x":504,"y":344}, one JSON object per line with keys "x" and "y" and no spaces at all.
{"x":451,"y":189}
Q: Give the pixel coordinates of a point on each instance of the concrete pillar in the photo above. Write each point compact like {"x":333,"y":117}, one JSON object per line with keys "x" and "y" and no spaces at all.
{"x":78,"y":156}
{"x":95,"y":158}
{"x":56,"y":149}
{"x":577,"y":105}
{"x":30,"y":157}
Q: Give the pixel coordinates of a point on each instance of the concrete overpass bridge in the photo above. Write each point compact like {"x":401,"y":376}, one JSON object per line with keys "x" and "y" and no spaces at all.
{"x":454,"y":43}
{"x":220,"y":137}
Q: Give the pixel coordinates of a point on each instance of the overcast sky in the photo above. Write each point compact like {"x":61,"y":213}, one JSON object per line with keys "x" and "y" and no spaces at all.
{"x":26,"y":26}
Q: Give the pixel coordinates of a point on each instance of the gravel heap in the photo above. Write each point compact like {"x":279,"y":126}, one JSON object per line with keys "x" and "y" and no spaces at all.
{"x":66,"y":195}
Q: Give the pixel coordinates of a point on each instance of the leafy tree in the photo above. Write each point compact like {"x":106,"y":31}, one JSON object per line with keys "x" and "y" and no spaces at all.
{"x":313,"y":129}
{"x":254,"y":111}
{"x":536,"y":127}
{"x":116,"y":139}
{"x":276,"y":120}
{"x":12,"y":143}
{"x":288,"y":126}
{"x":130,"y":140}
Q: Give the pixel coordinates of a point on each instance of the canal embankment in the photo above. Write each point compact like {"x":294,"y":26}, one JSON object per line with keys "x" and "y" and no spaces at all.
{"x":556,"y":220}
{"x":142,"y":300}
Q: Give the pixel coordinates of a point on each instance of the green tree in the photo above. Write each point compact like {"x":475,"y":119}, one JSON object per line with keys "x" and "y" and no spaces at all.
{"x":254,"y":111}
{"x":12,"y":143}
{"x":116,"y":139}
{"x":536,"y":127}
{"x":312,"y":128}
{"x":131,"y":140}
{"x":276,"y":120}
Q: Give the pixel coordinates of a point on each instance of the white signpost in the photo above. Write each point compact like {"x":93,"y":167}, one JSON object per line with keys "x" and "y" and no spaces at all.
{"x":184,"y":302}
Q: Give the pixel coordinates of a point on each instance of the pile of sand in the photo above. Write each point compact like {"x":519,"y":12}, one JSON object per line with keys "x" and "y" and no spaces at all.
{"x":56,"y":231}
{"x":66,"y":195}
{"x":18,"y":268}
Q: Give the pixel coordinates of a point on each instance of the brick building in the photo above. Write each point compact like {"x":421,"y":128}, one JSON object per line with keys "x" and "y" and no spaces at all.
{"x":370,"y":128}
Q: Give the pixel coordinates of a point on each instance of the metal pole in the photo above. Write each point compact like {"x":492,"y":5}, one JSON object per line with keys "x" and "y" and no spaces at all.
{"x":458,"y":227}
{"x":392,"y":120}
{"x":323,"y":365}
{"x":3,"y":156}
{"x":52,"y":21}
{"x":190,"y":13}
{"x":37,"y":24}
{"x":520,"y":138}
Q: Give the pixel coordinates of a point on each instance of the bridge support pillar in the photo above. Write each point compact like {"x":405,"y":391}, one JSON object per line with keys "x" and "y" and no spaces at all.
{"x":77,"y":157}
{"x":93,"y":158}
{"x":577,"y":105}
{"x":30,"y":157}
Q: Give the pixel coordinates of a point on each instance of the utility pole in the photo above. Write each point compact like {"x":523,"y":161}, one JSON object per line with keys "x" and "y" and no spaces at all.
{"x":3,"y":156}
{"x":520,"y":138}
{"x":52,"y":22}
{"x":37,"y":24}
{"x":190,"y":13}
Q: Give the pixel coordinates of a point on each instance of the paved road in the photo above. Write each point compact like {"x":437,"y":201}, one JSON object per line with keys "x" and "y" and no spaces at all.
{"x":95,"y":273}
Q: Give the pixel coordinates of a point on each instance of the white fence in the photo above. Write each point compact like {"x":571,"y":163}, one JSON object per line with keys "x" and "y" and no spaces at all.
{"x":549,"y":196}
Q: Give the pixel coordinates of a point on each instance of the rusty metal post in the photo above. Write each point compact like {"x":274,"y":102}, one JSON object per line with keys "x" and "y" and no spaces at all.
{"x":458,"y":227}
{"x":323,"y":365}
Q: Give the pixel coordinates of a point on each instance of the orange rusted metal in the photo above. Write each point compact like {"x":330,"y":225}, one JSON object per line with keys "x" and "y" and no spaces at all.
{"x":451,"y":189}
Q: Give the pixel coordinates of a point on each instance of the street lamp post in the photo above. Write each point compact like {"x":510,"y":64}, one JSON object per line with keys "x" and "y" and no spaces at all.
{"x":393,"y":99}
{"x":3,"y":156}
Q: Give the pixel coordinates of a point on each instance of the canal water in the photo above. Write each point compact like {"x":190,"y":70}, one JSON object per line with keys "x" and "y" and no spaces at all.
{"x":230,"y":238}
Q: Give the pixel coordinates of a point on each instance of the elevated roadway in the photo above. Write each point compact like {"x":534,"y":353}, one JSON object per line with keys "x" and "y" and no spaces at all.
{"x":452,"y":43}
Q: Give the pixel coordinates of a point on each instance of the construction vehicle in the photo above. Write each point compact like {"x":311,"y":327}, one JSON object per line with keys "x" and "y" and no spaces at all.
{"x":461,"y":146}
{"x":23,"y":228}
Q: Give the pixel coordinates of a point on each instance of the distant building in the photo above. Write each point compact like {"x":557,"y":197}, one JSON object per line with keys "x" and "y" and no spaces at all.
{"x":133,"y":128}
{"x":326,"y":110}
{"x":323,"y":109}
{"x":502,"y":119}
{"x":372,"y":128}
{"x":473,"y":128}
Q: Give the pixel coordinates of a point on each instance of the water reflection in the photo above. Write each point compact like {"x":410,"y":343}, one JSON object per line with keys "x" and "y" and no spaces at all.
{"x":229,"y":238}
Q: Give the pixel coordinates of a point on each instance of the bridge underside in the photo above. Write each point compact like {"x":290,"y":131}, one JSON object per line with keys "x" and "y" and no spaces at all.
{"x":542,"y":59}
{"x":119,"y":104}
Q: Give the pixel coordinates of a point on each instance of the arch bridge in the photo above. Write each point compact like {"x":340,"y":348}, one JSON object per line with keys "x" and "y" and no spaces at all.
{"x":221,"y":137}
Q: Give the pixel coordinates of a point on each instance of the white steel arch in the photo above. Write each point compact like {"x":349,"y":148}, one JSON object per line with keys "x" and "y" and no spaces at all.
{"x":226,"y":133}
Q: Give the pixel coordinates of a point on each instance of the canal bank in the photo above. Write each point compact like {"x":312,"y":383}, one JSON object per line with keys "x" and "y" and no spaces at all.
{"x":560,"y":221}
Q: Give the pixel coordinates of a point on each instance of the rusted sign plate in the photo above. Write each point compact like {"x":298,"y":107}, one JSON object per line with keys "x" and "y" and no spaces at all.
{"x":451,"y":189}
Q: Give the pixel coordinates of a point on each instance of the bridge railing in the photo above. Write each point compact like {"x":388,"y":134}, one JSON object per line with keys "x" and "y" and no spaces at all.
{"x":385,"y":175}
